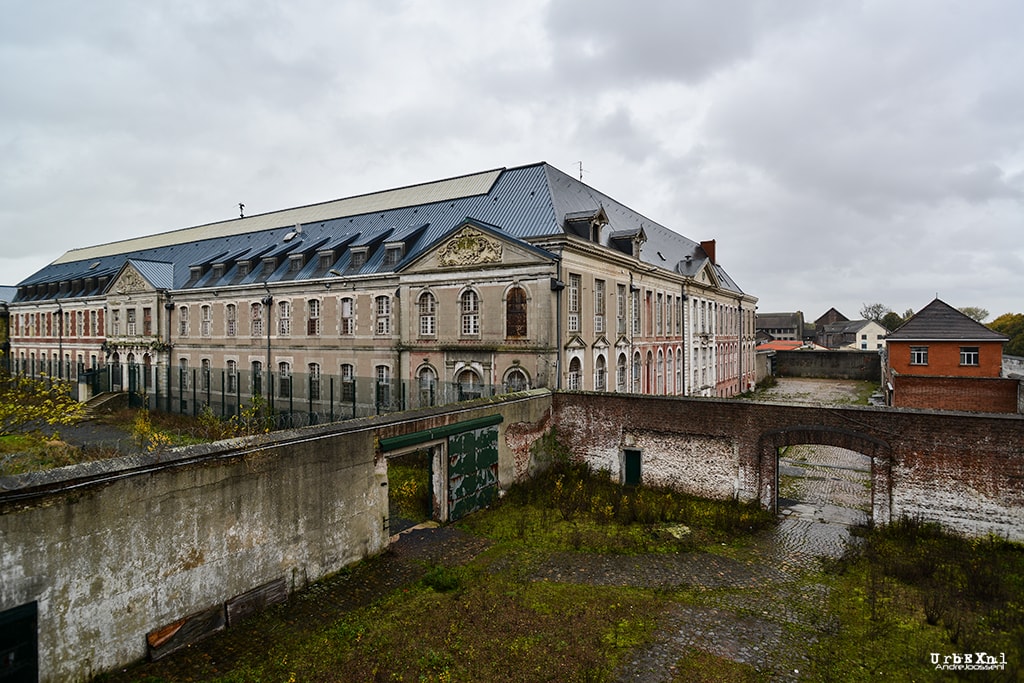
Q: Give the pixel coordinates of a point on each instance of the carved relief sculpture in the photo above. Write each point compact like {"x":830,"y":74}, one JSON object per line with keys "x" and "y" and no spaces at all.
{"x":469,"y":248}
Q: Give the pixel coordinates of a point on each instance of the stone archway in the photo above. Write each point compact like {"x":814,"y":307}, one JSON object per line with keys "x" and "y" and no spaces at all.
{"x":880,"y":453}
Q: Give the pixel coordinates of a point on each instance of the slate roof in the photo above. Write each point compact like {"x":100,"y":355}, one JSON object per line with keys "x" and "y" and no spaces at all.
{"x":7,"y":293}
{"x":524,"y":203}
{"x":938,"y":321}
{"x":773,"y":321}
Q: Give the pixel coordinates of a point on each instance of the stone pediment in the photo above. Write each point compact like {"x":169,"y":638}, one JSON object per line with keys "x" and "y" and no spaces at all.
{"x":475,"y":246}
{"x":601,"y":343}
{"x":131,"y":281}
{"x":575,"y":343}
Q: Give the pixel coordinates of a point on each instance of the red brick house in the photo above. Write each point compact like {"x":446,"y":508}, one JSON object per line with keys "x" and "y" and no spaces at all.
{"x":942,"y":359}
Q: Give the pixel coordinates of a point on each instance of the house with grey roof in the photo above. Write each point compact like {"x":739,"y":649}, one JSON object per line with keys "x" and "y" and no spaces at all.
{"x":493,"y":281}
{"x":943,"y":359}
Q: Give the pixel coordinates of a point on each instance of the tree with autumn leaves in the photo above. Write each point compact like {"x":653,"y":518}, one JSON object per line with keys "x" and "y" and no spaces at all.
{"x":33,"y":404}
{"x":1012,"y":326}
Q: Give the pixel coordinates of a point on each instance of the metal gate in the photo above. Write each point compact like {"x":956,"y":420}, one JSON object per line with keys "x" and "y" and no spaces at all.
{"x":472,"y":470}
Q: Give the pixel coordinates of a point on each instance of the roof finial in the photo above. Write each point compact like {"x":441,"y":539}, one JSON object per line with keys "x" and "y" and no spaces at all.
{"x":581,"y":169}
{"x":241,"y":210}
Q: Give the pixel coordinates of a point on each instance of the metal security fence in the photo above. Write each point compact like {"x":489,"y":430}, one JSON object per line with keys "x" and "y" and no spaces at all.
{"x":293,"y":399}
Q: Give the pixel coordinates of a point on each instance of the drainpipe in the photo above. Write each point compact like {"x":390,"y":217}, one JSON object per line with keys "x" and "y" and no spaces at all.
{"x":739,"y":366}
{"x":557,"y":285}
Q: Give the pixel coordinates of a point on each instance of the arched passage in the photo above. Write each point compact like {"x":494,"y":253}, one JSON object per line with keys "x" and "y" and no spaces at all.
{"x":879,"y":452}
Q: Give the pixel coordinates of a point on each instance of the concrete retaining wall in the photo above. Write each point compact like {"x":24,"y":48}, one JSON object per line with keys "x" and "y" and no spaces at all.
{"x":116,"y":551}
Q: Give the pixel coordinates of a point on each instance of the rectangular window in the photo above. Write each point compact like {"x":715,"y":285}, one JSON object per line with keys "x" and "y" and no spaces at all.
{"x":284,"y":318}
{"x":599,"y":309}
{"x":969,"y":355}
{"x":232,"y":377}
{"x":313,"y":321}
{"x":314,"y":381}
{"x":658,"y":309}
{"x":115,"y":322}
{"x":348,"y":319}
{"x":231,"y":319}
{"x":256,"y":317}
{"x":620,"y":309}
{"x":635,"y":303}
{"x":575,"y":282}
{"x":383,"y":315}
{"x":919,"y":355}
{"x":206,"y":321}
{"x":183,"y":321}
{"x":130,"y":320}
{"x":348,"y":382}
{"x":147,"y":321}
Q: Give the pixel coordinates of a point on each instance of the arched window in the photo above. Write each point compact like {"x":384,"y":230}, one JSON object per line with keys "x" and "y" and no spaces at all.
{"x":313,"y":318}
{"x":428,"y":386}
{"x":257,"y":377}
{"x":428,"y":314}
{"x":314,"y":381}
{"x":574,"y":374}
{"x":515,"y":313}
{"x":231,"y":320}
{"x":470,"y":306}
{"x":650,"y":385}
{"x":348,"y":382}
{"x":232,"y":377}
{"x":470,"y":385}
{"x":636,"y":389}
{"x":284,"y":380}
{"x":620,"y":373}
{"x":600,"y":374}
{"x":204,"y":373}
{"x":383,"y":397}
{"x":660,"y":373}
{"x":516,"y":380}
{"x":670,"y":384}
{"x":182,"y":320}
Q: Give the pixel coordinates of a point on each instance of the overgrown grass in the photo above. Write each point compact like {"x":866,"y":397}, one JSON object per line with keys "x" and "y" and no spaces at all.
{"x":913,"y":589}
{"x":21,"y":453}
{"x":570,"y":506}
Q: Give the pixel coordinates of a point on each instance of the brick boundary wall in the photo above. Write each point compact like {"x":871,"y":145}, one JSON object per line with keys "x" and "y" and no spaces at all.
{"x":978,"y":394}
{"x":962,"y":470}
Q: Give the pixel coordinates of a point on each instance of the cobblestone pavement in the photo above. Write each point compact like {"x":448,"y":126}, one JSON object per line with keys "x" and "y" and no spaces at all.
{"x":762,"y":607}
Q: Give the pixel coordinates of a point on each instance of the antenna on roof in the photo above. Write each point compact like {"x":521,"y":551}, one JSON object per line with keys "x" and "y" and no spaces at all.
{"x":581,"y":169}
{"x":241,"y":210}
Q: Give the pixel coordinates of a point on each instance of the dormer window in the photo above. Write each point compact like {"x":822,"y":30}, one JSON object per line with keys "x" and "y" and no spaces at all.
{"x":243,"y":268}
{"x":269,"y":265}
{"x":195,"y":272}
{"x":393,"y":253}
{"x":295,"y":263}
{"x":218,"y":271}
{"x":326,"y":260}
{"x":358,"y":258}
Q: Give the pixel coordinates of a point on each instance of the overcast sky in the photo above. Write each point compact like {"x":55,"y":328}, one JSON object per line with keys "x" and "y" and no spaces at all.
{"x":840,"y":153}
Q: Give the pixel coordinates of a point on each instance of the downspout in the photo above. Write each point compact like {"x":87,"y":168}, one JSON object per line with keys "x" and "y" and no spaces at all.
{"x":557,"y":285}
{"x":739,"y":321}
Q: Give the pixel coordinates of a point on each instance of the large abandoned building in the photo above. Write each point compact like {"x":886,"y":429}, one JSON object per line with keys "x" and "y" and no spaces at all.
{"x":501,"y":280}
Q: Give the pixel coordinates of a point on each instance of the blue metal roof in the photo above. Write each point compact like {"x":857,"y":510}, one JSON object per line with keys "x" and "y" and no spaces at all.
{"x":524,"y":203}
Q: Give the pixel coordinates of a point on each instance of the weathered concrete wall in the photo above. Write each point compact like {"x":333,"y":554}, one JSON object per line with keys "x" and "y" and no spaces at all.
{"x":960,"y":469}
{"x":111,"y":551}
{"x":864,"y":365}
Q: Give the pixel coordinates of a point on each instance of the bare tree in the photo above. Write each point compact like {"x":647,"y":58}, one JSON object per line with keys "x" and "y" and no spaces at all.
{"x":974,"y":312}
{"x":874,"y":312}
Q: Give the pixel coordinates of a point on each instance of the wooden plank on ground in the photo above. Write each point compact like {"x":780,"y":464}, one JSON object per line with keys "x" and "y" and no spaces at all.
{"x":257,"y":599}
{"x":167,"y":639}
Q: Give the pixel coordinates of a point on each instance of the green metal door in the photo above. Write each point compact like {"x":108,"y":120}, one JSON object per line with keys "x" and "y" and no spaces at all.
{"x":472,"y":470}
{"x":632,"y":457}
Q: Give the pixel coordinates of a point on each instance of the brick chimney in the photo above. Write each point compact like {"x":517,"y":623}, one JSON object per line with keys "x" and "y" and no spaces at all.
{"x":709,"y":248}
